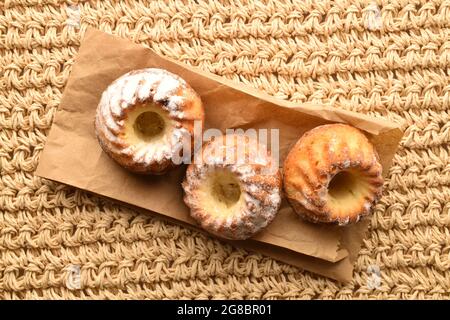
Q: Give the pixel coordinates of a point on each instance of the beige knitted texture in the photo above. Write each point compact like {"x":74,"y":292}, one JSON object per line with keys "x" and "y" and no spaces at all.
{"x":343,"y":53}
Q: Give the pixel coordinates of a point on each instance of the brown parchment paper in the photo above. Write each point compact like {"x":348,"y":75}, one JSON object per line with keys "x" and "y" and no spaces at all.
{"x":73,"y":156}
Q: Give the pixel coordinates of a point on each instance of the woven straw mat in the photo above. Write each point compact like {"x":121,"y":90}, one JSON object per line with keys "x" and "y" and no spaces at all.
{"x":394,"y":64}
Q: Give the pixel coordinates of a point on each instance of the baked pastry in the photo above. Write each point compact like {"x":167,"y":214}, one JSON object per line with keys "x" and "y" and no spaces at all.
{"x":144,"y":117}
{"x":333,"y":175}
{"x":233,"y":187}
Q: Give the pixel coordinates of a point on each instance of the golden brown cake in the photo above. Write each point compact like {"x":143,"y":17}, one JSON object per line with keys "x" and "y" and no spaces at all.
{"x":233,"y":188}
{"x":144,"y":117}
{"x":333,"y":175}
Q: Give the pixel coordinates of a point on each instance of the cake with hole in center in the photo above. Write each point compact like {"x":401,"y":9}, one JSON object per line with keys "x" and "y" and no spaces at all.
{"x":233,"y":188}
{"x":333,"y":175}
{"x":145,"y":117}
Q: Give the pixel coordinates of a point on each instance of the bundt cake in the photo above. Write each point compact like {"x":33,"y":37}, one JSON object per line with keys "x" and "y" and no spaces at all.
{"x":233,"y":187}
{"x":144,"y":117}
{"x":333,"y":175}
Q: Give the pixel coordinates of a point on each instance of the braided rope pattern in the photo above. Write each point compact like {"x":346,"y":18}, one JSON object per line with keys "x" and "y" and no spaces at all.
{"x":334,"y":52}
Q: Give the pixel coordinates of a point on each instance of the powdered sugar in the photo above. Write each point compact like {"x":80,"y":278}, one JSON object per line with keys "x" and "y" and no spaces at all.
{"x":332,"y":144}
{"x":173,"y":106}
{"x":346,"y":163}
{"x":167,"y":87}
{"x":274,"y":197}
{"x":130,"y":87}
{"x":148,"y":80}
{"x":148,"y":84}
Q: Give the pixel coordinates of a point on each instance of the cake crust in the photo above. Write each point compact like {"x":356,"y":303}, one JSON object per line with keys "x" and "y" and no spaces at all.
{"x":144,"y":117}
{"x":333,"y":175}
{"x":253,"y":184}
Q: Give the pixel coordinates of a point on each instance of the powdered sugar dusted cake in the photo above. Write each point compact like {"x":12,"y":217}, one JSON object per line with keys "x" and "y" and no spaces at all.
{"x":144,"y":117}
{"x":233,"y":188}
